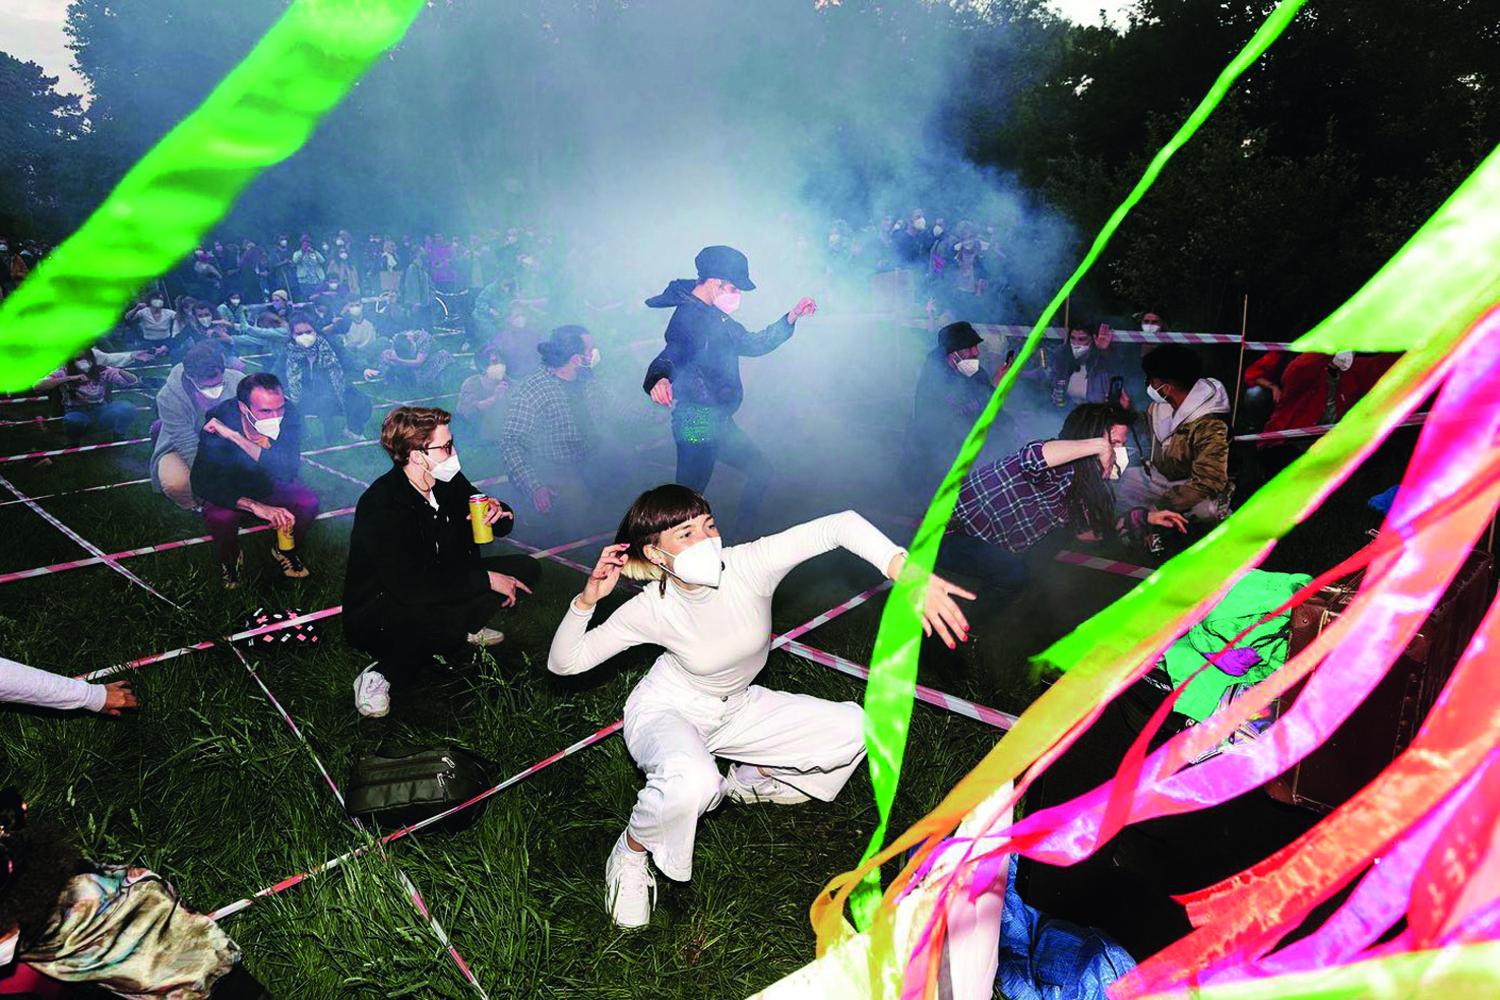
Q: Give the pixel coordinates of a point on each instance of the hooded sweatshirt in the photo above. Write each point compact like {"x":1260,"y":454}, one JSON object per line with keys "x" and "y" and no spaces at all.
{"x":704,"y":346}
{"x":1190,"y":446}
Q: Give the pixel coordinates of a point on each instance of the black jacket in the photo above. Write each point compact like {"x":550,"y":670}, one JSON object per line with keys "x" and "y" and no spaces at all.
{"x":223,"y":474}
{"x":704,"y":345}
{"x":404,"y":556}
{"x":944,"y":408}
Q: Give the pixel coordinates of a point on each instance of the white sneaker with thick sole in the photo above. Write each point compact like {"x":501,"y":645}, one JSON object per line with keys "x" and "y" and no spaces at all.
{"x":629,"y":886}
{"x":372,"y":693}
{"x":749,"y":785}
{"x":486,"y":637}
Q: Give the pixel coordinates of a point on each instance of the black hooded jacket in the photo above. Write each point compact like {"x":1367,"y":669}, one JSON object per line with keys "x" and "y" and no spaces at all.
{"x":704,"y":345}
{"x":404,"y":556}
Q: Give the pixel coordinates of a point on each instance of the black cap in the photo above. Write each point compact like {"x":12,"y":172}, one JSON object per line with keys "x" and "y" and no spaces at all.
{"x":726,"y":264}
{"x":958,"y":336}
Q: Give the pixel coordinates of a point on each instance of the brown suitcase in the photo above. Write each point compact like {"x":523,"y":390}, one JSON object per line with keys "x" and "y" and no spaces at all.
{"x":1383,"y":726}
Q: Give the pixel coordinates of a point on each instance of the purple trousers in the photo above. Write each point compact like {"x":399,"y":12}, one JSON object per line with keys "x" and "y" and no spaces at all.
{"x":224,"y":522}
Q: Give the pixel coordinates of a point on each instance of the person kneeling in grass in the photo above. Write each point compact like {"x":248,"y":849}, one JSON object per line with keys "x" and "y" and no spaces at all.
{"x":416,"y":585}
{"x":248,"y":455}
{"x":711,"y":613}
{"x":121,"y":929}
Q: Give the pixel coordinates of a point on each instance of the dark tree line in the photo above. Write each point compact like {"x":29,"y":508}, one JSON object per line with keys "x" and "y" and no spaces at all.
{"x":1354,"y":128}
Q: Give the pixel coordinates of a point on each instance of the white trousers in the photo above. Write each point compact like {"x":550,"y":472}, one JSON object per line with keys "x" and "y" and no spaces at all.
{"x":674,"y":732}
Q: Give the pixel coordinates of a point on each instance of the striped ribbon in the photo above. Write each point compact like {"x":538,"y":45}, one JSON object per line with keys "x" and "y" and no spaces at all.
{"x":1416,"y":420}
{"x":416,"y":900}
{"x":332,"y":863}
{"x":23,"y":399}
{"x":33,"y":421}
{"x":939,"y":699}
{"x":311,"y":616}
{"x":1107,"y":565}
{"x":72,"y":451}
{"x":83,"y":543}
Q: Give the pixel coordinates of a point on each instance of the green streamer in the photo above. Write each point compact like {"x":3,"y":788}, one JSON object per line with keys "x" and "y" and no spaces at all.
{"x":893,"y":671}
{"x":259,"y":115}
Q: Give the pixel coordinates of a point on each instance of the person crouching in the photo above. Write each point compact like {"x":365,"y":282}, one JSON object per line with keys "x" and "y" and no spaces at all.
{"x":416,"y":585}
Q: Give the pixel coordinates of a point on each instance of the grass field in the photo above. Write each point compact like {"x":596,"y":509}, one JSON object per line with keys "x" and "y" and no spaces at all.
{"x":206,"y":783}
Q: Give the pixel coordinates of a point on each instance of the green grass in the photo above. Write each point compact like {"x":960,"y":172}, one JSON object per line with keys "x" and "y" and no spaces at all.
{"x":207,"y":785}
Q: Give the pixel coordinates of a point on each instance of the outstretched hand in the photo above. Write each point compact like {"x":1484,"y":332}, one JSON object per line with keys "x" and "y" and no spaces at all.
{"x":940,"y":612}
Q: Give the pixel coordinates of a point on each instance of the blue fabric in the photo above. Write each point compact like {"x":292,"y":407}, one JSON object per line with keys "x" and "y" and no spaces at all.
{"x":1381,"y":503}
{"x":1046,"y":959}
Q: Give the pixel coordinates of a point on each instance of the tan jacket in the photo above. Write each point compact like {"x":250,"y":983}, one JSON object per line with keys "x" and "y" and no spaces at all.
{"x":1198,"y":452}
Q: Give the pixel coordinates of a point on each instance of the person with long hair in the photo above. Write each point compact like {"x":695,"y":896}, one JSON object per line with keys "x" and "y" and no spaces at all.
{"x":709,"y":608}
{"x":87,"y":390}
{"x":1009,"y":505}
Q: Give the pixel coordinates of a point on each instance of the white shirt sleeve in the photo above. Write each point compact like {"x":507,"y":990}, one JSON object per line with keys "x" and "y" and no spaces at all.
{"x":764,"y":562}
{"x":576,"y":647}
{"x":30,"y":686}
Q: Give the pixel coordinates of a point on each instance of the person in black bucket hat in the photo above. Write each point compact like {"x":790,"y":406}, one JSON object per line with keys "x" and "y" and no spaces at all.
{"x":697,"y":374}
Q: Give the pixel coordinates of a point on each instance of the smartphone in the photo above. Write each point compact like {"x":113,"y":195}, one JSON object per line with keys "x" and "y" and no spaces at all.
{"x":1116,"y":389}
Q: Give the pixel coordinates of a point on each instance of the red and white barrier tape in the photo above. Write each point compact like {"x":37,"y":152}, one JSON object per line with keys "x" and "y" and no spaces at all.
{"x":1105,"y":565}
{"x":416,"y":900}
{"x":1416,"y":420}
{"x":72,"y":451}
{"x":1267,"y":345}
{"x":549,"y":553}
{"x":85,"y":544}
{"x":332,"y":863}
{"x":948,"y":702}
{"x":84,"y":489}
{"x":341,"y":447}
{"x":335,"y":472}
{"x":25,"y":574}
{"x":23,"y":399}
{"x":414,"y":896}
{"x":33,"y":421}
{"x":311,"y":616}
{"x":777,"y":641}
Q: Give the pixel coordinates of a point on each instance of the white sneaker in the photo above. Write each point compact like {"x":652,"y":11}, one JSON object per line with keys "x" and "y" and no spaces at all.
{"x":372,"y":694}
{"x":629,"y":886}
{"x":749,"y":785}
{"x":486,"y":637}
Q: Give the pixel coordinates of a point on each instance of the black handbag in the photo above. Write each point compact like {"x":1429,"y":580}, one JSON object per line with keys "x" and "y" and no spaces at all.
{"x":393,"y":792}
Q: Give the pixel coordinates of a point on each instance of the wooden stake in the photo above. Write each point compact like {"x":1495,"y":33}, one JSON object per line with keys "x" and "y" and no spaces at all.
{"x":1239,"y":376}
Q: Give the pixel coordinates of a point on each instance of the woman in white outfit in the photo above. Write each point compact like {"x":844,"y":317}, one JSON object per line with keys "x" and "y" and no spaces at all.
{"x":711,"y":613}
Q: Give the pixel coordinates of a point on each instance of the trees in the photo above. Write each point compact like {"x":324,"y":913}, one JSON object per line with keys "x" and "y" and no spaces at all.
{"x":36,"y":126}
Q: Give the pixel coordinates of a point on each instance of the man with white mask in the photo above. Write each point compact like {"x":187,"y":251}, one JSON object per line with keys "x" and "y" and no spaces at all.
{"x":1188,"y":467}
{"x":192,"y":389}
{"x":248,"y":456}
{"x":697,"y":374}
{"x":709,"y":608}
{"x":416,"y":585}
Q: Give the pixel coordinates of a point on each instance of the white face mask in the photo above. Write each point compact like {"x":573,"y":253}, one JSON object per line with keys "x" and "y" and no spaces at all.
{"x":1156,"y":397}
{"x":919,"y":225}
{"x":1151,"y":328}
{"x":445,"y":470}
{"x":156,"y":303}
{"x":1079,"y":350}
{"x":84,"y":366}
{"x":728,"y":301}
{"x":967,"y":367}
{"x":1343,"y":360}
{"x":210,"y":391}
{"x":593,"y":358}
{"x":268,"y":427}
{"x":356,"y":312}
{"x":496,"y":373}
{"x":700,"y":564}
{"x":305,"y":339}
{"x":937,"y":230}
{"x":1122,"y":461}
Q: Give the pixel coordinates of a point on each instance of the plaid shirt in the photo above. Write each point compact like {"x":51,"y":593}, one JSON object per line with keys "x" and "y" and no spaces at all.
{"x":541,"y":427}
{"x":1015,"y":501}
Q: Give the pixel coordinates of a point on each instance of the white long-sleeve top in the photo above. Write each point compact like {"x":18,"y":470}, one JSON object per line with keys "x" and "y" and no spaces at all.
{"x":716,"y":639}
{"x":30,"y":686}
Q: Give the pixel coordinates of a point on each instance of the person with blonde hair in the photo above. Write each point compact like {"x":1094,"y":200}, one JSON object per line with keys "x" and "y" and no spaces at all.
{"x":709,"y":608}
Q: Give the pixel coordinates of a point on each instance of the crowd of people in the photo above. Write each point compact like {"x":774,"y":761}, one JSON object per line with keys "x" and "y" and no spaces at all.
{"x":325,"y":318}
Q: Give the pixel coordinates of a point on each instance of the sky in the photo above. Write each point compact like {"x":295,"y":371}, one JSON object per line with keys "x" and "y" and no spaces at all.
{"x":32,"y":30}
